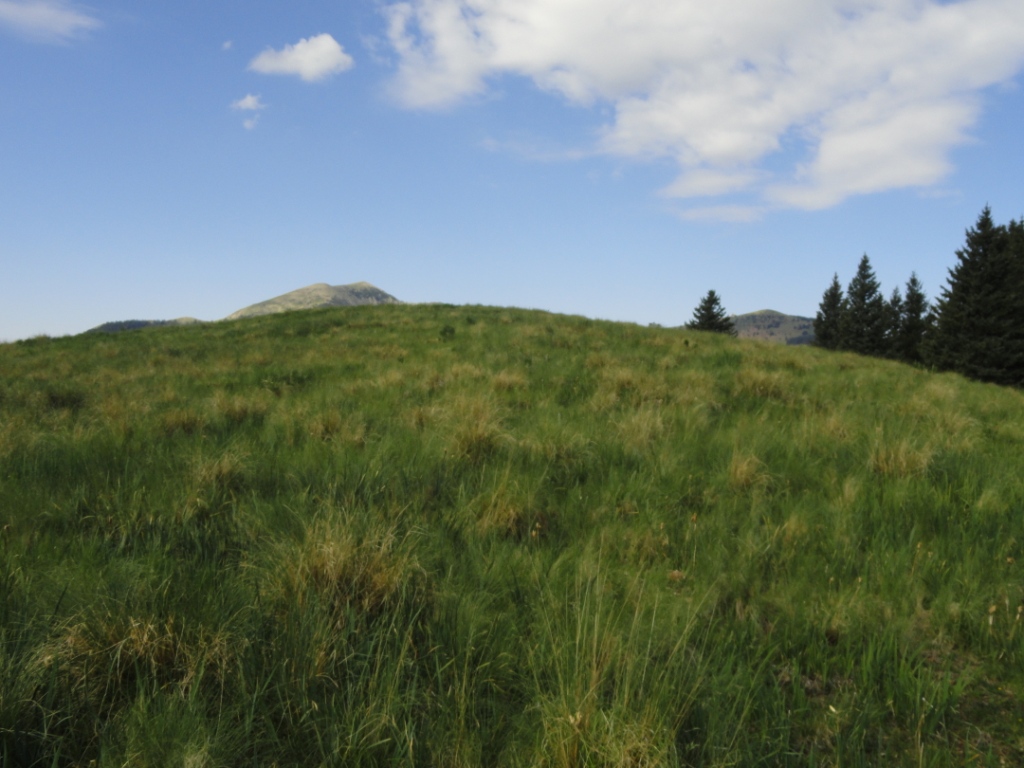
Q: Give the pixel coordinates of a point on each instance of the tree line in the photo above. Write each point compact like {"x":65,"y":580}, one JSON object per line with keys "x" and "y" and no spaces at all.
{"x":975,"y":327}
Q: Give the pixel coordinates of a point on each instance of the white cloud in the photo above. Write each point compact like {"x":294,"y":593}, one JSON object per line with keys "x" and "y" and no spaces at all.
{"x":787,"y":103}
{"x":249,"y":102}
{"x":312,"y":58}
{"x":227,"y":45}
{"x":51,"y":20}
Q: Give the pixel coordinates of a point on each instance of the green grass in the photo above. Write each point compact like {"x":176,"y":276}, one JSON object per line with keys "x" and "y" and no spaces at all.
{"x":469,"y":536}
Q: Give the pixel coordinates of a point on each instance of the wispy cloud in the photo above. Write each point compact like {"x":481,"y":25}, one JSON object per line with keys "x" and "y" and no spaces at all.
{"x":725,"y":213}
{"x":313,"y":58}
{"x":46,"y":20}
{"x":250,"y":102}
{"x":253,"y":104}
{"x":775,"y":104}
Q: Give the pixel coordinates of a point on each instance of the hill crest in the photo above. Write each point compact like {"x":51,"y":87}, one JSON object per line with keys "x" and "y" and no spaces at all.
{"x":318,"y":295}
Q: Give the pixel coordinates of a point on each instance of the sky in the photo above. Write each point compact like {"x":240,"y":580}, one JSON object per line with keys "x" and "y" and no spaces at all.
{"x":608,"y":158}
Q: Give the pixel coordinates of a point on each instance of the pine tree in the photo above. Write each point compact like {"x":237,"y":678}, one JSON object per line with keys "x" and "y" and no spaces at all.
{"x":1015,"y":289}
{"x":830,"y":312}
{"x":862,"y":327}
{"x":710,"y":316}
{"x":893,"y":317}
{"x":913,"y":323}
{"x":978,"y":318}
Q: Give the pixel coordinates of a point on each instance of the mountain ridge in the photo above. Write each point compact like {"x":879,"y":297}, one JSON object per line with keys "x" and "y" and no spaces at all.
{"x":309,"y":297}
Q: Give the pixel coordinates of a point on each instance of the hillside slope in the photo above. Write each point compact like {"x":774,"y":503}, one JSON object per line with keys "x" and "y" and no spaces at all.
{"x":318,"y":295}
{"x":434,"y":535}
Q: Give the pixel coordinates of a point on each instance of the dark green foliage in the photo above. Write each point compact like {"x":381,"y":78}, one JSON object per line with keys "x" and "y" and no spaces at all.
{"x":711,"y":316}
{"x":979,"y":317}
{"x":893,"y":316}
{"x":863,"y":323}
{"x":913,"y":323}
{"x":828,"y":320}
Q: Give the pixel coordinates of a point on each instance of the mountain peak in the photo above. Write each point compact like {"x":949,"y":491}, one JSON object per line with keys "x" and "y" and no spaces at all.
{"x":318,"y":295}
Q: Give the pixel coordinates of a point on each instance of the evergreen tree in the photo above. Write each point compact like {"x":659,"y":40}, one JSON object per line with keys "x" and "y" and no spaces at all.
{"x":913,"y":324}
{"x":1008,"y":361}
{"x":710,"y":316}
{"x":893,"y":316}
{"x":862,"y":326}
{"x":979,"y":318}
{"x":830,"y":312}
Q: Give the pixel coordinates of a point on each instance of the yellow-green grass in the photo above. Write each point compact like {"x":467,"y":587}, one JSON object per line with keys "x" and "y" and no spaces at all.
{"x":433,"y":535}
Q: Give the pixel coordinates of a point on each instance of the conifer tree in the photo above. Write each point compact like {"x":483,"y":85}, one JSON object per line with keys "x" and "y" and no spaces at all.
{"x":830,"y":312}
{"x":978,"y":318}
{"x":893,"y":316}
{"x":1013,"y":291}
{"x":710,"y":316}
{"x":913,"y":324}
{"x":863,"y":323}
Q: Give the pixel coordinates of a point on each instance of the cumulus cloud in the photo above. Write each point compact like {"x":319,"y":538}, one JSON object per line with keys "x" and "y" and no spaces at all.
{"x":786,"y":103}
{"x":51,"y":20}
{"x":312,"y":59}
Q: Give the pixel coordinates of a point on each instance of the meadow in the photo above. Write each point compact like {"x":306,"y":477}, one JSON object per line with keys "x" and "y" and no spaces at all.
{"x":472,"y":536}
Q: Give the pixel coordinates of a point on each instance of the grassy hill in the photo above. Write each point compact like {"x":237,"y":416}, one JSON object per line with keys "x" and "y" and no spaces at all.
{"x":461,"y":536}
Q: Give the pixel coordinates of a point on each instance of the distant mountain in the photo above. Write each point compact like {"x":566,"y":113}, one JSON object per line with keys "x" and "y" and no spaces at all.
{"x":769,"y":325}
{"x":132,"y":325}
{"x":318,"y":295}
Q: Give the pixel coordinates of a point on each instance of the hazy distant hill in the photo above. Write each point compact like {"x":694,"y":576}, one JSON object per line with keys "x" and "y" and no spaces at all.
{"x":132,"y":325}
{"x":769,"y":325}
{"x":318,"y":295}
{"x":310,"y":297}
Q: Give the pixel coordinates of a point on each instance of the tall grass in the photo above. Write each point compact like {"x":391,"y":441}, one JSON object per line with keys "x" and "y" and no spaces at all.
{"x":472,"y":536}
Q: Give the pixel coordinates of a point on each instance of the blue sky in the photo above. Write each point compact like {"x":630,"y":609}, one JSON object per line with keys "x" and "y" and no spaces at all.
{"x":613,"y":158}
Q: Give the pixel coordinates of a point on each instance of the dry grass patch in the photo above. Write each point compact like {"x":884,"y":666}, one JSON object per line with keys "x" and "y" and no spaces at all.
{"x":184,"y":421}
{"x":505,"y":511}
{"x":640,"y":429}
{"x":899,"y":457}
{"x":471,"y":425}
{"x":695,"y":388}
{"x":343,"y":567}
{"x":333,"y":427}
{"x":465,"y":372}
{"x":747,"y":471}
{"x":508,"y":381}
{"x":96,"y":656}
{"x":759,"y":383}
{"x":849,"y":494}
{"x":991,"y":502}
{"x":241,"y":409}
{"x":627,"y":387}
{"x":392,"y":378}
{"x":225,"y":474}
